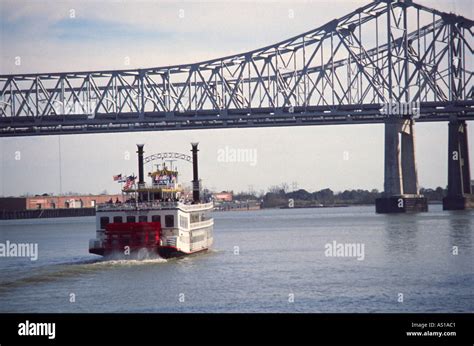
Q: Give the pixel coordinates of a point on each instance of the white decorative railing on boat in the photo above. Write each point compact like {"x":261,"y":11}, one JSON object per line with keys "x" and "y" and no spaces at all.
{"x":153,"y":205}
{"x":192,"y":207}
{"x":201,"y":224}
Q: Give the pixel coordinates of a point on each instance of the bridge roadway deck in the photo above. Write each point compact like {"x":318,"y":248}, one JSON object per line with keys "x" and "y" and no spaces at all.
{"x":263,"y":117}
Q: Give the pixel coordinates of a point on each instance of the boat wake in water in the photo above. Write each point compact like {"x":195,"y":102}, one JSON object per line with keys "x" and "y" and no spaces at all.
{"x":127,"y":262}
{"x":60,"y":271}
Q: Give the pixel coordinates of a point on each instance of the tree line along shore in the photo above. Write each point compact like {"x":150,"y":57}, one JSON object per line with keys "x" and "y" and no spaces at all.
{"x":279,"y":197}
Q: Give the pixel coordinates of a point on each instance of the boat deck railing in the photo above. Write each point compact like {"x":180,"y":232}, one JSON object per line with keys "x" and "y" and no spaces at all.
{"x":153,"y":205}
{"x":201,"y":224}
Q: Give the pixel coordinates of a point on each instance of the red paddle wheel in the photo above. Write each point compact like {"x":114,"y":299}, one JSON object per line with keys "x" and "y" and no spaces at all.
{"x":135,"y":235}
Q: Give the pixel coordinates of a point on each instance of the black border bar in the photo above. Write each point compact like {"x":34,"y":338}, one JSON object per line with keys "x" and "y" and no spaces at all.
{"x":261,"y":329}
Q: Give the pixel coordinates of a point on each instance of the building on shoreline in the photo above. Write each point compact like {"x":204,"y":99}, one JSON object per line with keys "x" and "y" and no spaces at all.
{"x":55,"y":202}
{"x":223,"y":196}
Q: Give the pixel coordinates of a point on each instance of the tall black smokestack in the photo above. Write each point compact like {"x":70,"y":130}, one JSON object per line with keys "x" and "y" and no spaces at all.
{"x":195,"y":150}
{"x":140,"y":152}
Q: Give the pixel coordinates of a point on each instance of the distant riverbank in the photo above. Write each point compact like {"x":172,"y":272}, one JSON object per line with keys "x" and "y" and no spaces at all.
{"x":316,"y":206}
{"x":280,"y":197}
{"x":45,"y":213}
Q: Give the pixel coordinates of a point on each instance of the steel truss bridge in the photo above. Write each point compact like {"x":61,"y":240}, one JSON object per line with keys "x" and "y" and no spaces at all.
{"x":340,"y":73}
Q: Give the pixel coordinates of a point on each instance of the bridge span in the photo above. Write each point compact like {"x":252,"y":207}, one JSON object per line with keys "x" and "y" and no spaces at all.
{"x":391,"y":61}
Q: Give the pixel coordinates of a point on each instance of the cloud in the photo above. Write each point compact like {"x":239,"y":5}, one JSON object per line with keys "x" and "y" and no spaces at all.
{"x":54,"y":36}
{"x":151,"y":33}
{"x":98,"y":30}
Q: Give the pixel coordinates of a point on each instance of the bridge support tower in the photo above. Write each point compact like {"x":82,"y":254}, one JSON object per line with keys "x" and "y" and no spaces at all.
{"x":401,"y":191}
{"x":460,"y":195}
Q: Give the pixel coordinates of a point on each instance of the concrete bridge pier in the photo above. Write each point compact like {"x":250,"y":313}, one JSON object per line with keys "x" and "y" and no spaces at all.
{"x":460,"y":195}
{"x":401,"y":191}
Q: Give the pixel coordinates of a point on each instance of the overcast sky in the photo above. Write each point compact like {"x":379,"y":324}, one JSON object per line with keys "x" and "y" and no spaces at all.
{"x":52,"y":36}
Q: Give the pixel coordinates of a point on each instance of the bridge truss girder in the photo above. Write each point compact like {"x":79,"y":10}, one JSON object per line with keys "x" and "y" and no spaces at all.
{"x":342,"y":72}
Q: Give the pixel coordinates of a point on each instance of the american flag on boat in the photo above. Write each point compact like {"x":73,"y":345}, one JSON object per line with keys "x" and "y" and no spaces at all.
{"x":118,"y":177}
{"x":129,"y":182}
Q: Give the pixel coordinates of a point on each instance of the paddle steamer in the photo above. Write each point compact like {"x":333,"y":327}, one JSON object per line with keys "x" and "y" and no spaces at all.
{"x":155,"y":218}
